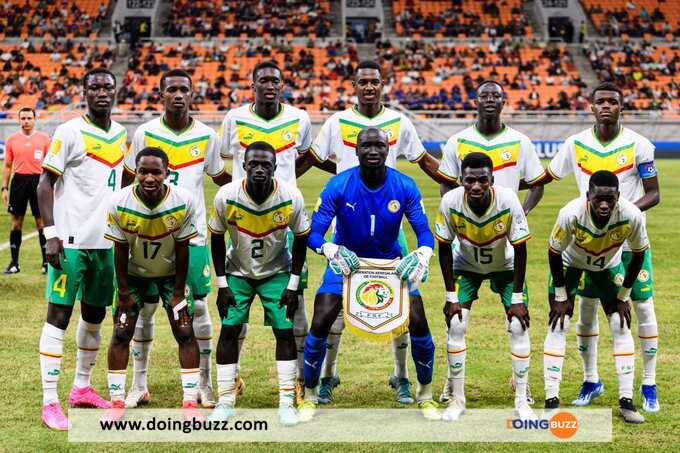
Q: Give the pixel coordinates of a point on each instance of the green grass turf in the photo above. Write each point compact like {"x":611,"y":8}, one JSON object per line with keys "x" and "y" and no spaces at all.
{"x":364,"y":370}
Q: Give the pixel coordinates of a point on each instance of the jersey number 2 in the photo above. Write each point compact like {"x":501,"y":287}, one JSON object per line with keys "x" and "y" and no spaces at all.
{"x":256,"y":251}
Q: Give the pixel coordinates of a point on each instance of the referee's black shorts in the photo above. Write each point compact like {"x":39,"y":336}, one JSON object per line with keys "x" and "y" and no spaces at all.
{"x":24,"y":190}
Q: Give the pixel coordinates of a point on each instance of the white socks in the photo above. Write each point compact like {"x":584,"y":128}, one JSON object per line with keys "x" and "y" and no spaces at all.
{"x":190,"y":380}
{"x":226,"y":383}
{"x":520,"y":349}
{"x":51,"y":345}
{"x":587,"y":336}
{"x":141,"y":344}
{"x":456,"y":351}
{"x":554,"y":349}
{"x":400,"y":353}
{"x":624,"y":355}
{"x":648,"y":332}
{"x":203,"y":331}
{"x":286,"y":370}
{"x":88,"y":339}
{"x":116,"y":380}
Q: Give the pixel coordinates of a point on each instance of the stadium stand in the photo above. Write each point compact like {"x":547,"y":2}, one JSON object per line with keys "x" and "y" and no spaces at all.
{"x":47,"y":18}
{"x":460,"y":18}
{"x":639,"y":18}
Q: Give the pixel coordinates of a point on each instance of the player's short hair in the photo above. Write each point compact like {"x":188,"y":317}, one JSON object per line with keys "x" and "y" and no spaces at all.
{"x":495,"y":82}
{"x":264,"y":65}
{"x":27,"y":109}
{"x":603,"y":178}
{"x":476,"y":160}
{"x":95,"y":71}
{"x":176,"y":72}
{"x":368,"y":64}
{"x":371,"y":128}
{"x":606,"y":86}
{"x":259,"y":146}
{"x":155,"y":152}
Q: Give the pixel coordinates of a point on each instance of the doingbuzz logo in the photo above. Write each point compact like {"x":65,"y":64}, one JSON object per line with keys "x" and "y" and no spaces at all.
{"x":562,"y":425}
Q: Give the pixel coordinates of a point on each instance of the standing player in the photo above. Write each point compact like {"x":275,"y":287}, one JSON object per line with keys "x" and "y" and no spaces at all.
{"x":151,"y":224}
{"x":369,"y":203}
{"x":588,"y":238}
{"x":24,"y":152}
{"x":492,"y":232}
{"x":192,"y":150}
{"x":258,"y":212}
{"x":288,"y":130}
{"x":81,"y":170}
{"x":610,"y":146}
{"x":516,"y":164}
{"x":339,"y":136}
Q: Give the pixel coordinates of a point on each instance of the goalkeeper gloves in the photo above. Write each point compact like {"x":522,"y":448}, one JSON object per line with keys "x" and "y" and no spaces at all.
{"x":340,"y":259}
{"x":415,"y":266}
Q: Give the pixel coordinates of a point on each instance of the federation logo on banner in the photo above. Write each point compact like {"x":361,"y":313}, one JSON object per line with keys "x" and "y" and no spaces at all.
{"x":375,"y":301}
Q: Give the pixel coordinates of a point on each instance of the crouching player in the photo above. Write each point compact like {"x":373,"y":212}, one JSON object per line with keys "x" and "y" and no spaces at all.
{"x":151,"y":224}
{"x":588,"y":237}
{"x":492,"y":231}
{"x":258,"y":211}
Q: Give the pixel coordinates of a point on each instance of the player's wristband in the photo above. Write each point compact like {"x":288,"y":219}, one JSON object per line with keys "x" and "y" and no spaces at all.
{"x":222,"y":281}
{"x":5,"y":188}
{"x":177,"y":308}
{"x":518,"y":298}
{"x":50,"y":232}
{"x":452,"y":296}
{"x":294,"y":282}
{"x":560,"y":294}
{"x":624,"y":294}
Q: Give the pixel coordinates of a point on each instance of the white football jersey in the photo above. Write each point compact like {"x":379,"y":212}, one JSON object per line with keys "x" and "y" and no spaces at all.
{"x":191,"y":153}
{"x":338,"y":136}
{"x":289,"y":132}
{"x":512,"y":153}
{"x":258,"y":232}
{"x":585,"y":246}
{"x":89,"y":161}
{"x":485,"y":243}
{"x":151,"y":233}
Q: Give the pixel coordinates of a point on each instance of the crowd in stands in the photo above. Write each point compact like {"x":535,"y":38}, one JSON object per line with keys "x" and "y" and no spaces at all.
{"x":234,"y":18}
{"x":47,"y":76}
{"x":647,"y":74}
{"x":58,"y":18}
{"x":472,"y":18}
{"x":634,"y":18}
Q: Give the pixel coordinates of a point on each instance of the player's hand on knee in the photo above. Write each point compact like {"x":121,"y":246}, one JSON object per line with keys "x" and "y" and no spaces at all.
{"x":124,"y":306}
{"x":415,"y":267}
{"x":623,"y":309}
{"x":558,"y":310}
{"x":54,"y":250}
{"x":521,"y":312}
{"x":225,"y":298}
{"x":340,"y":259}
{"x":179,"y":309}
{"x":453,"y":309}
{"x":289,"y":298}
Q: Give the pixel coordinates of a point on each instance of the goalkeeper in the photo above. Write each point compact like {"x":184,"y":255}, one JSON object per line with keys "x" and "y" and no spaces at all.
{"x":369,"y":202}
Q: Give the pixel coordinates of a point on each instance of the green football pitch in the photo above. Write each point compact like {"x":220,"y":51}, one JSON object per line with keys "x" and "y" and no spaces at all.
{"x":364,"y":368}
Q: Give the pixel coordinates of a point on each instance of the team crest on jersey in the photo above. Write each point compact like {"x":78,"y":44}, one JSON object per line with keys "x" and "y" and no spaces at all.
{"x":206,"y":271}
{"x":393,"y":206}
{"x":170,"y":221}
{"x":374,"y":295}
{"x":390,"y":134}
{"x":499,"y":226}
{"x":615,"y":235}
{"x":618,"y":279}
{"x":621,"y":159}
{"x":643,"y":276}
{"x":187,"y":291}
{"x":279,"y":217}
{"x":287,"y":136}
{"x":194,"y":151}
{"x":506,"y":155}
{"x":124,"y":149}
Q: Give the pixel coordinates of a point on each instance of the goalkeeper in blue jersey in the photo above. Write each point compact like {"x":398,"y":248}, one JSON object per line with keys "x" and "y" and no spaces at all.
{"x":369,"y":202}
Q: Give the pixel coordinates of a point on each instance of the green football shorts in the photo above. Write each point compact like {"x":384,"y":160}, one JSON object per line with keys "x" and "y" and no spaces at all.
{"x":269,"y":289}
{"x":643,"y":288}
{"x":86,"y":275}
{"x":468,"y":283}
{"x":142,"y":287}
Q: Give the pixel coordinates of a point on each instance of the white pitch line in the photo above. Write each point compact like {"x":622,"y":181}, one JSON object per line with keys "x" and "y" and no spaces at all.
{"x":23,"y":238}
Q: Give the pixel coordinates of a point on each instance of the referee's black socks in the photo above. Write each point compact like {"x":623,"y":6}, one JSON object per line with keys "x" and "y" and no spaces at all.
{"x":14,"y":245}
